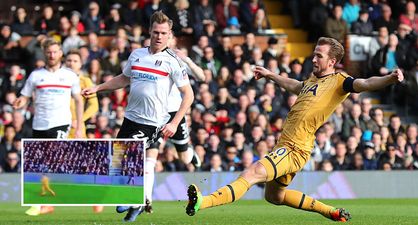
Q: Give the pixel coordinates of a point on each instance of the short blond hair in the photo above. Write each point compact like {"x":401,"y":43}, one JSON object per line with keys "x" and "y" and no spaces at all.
{"x":160,"y":18}
{"x":49,"y":42}
{"x":336,"y":49}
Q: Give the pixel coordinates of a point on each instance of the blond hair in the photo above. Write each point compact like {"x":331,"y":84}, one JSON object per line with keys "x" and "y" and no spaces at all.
{"x":336,"y":49}
{"x":160,"y":18}
{"x":49,"y":42}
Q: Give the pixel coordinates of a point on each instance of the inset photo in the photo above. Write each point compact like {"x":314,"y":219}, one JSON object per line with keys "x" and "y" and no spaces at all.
{"x":83,"y":172}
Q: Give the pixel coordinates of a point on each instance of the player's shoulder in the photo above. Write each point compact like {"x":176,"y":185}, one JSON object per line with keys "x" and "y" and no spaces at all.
{"x":343,"y":75}
{"x":140,"y":51}
{"x":173,"y":56}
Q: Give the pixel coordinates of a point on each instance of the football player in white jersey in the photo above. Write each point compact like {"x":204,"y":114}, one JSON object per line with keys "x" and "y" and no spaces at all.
{"x":53,"y":87}
{"x":151,"y":73}
{"x":181,"y":138}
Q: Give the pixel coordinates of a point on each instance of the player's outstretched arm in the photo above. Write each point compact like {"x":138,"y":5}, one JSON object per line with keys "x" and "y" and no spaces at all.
{"x":197,"y":71}
{"x":375,"y":83}
{"x":289,"y":84}
{"x":117,"y":82}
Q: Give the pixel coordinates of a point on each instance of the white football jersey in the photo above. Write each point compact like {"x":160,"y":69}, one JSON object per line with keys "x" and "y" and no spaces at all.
{"x":53,"y":92}
{"x":152,"y":78}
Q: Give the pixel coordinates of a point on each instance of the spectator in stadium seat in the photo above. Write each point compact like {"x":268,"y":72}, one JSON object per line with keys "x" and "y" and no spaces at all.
{"x":209,"y":61}
{"x":132,"y":14}
{"x":377,"y":119}
{"x":335,"y":26}
{"x":247,"y":11}
{"x":395,"y":126}
{"x":237,"y":60}
{"x":12,"y":162}
{"x":249,"y":45}
{"x":317,"y":19}
{"x":326,"y":166}
{"x":377,"y":43}
{"x":22,"y":127}
{"x":215,"y":164}
{"x":73,"y":40}
{"x":370,"y":159}
{"x":150,"y":8}
{"x":357,"y":163}
{"x":386,"y":20}
{"x":203,"y":13}
{"x":389,"y":57}
{"x":247,"y":160}
{"x":21,"y":23}
{"x":390,"y":157}
{"x":271,"y":51}
{"x":415,"y":158}
{"x":232,"y":27}
{"x":95,"y":50}
{"x":112,"y":64}
{"x":224,"y":10}
{"x":351,"y":12}
{"x":231,"y":158}
{"x":339,"y":160}
{"x":197,"y":49}
{"x":261,"y":22}
{"x":10,"y":49}
{"x":375,"y":10}
{"x":363,"y":26}
{"x":411,"y":133}
{"x":47,"y":22}
{"x":182,"y":18}
{"x":114,"y":20}
{"x":224,"y":51}
{"x":410,"y":17}
{"x":13,"y":81}
{"x":75,"y":20}
{"x":92,"y":19}
{"x":237,"y":85}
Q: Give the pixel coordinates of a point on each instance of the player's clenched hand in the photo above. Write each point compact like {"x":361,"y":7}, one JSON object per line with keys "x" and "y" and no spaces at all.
{"x":88,"y":91}
{"x":398,"y":75}
{"x":19,"y":103}
{"x":169,"y":130}
{"x":260,"y":72}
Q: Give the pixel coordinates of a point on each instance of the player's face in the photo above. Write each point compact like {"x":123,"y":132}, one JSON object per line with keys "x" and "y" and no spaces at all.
{"x":160,"y":34}
{"x":322,"y":64}
{"x":53,"y":55}
{"x":73,"y":62}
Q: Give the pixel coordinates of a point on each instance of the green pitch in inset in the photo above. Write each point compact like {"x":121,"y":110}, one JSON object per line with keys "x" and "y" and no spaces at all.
{"x":66,"y":193}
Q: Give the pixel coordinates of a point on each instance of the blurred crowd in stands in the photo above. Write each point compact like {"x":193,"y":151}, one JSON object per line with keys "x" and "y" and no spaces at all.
{"x":75,"y":157}
{"x":132,"y":163}
{"x":235,"y":119}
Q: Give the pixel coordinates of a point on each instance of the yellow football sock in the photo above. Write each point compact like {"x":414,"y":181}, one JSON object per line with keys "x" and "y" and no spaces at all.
{"x":298,"y":200}
{"x":226,"y":194}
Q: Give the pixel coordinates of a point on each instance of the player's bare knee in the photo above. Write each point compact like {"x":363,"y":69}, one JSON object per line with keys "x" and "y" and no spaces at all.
{"x":256,"y":173}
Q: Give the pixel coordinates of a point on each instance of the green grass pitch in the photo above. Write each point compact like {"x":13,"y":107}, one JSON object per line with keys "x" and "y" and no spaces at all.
{"x":364,"y":211}
{"x":67,"y":193}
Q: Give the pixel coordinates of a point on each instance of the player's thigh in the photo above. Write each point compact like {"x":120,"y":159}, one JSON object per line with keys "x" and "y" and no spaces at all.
{"x":283,"y":160}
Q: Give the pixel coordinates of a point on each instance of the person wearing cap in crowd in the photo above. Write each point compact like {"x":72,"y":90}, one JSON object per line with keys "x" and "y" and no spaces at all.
{"x":232,"y":27}
{"x":369,"y":159}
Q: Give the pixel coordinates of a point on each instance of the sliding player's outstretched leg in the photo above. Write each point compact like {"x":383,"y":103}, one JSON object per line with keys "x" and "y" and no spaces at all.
{"x":276,"y":193}
{"x":254,"y":174}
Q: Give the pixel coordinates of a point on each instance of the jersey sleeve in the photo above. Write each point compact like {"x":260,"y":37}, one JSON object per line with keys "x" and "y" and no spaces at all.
{"x":29,"y":86}
{"x":127,"y":69}
{"x":179,"y":75}
{"x":345,"y":83}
